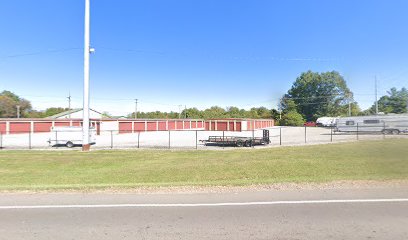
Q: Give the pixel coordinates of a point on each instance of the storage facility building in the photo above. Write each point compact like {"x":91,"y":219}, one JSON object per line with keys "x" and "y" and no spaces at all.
{"x":25,"y":125}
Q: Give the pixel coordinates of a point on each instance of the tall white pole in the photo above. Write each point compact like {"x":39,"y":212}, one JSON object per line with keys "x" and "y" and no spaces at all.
{"x":376,"y":98}
{"x":87,"y":49}
{"x":18,"y":111}
{"x":136,"y":101}
{"x":69,"y":104}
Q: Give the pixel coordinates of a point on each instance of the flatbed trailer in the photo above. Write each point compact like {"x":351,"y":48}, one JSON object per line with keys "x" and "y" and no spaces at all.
{"x":237,"y":141}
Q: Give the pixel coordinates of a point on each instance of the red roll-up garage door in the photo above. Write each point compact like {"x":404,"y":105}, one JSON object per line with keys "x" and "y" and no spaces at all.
{"x":20,"y":127}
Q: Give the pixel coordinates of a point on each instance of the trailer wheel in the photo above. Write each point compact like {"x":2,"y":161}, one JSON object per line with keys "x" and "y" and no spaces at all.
{"x":395,"y":131}
{"x":240,"y":143}
{"x":386,"y":131}
{"x":69,"y":144}
{"x":248,"y":143}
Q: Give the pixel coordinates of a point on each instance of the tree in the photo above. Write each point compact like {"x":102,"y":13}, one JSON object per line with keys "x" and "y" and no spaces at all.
{"x":275,"y":114}
{"x":292,"y":118}
{"x":8,"y":105}
{"x":106,"y":115}
{"x":288,"y":105}
{"x":54,"y":110}
{"x":320,"y":94}
{"x":263,"y":112}
{"x":395,"y":102}
{"x":214,"y":112}
{"x":234,"y":112}
{"x":252,"y":113}
{"x":192,"y":113}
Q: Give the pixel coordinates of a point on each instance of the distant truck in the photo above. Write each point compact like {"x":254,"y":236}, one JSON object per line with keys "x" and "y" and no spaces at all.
{"x":326,"y":121}
{"x":310,"y":124}
{"x":385,"y":124}
{"x":69,"y":136}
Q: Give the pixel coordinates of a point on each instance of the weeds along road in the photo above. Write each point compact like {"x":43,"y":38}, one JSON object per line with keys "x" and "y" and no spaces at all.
{"x":291,"y":214}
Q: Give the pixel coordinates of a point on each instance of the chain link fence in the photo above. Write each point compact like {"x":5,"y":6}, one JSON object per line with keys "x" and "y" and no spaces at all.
{"x":196,"y":139}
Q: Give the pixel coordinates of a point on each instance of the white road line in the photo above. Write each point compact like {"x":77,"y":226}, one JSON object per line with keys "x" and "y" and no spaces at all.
{"x":393,"y":200}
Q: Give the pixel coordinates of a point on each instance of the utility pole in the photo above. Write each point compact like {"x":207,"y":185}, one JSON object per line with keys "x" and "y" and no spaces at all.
{"x":280,"y":108}
{"x":18,"y":111}
{"x":180,"y":106}
{"x":69,"y":104}
{"x":136,"y":101}
{"x":69,"y":101}
{"x":185,"y":111}
{"x":349,"y":105}
{"x":376,"y":99}
{"x":87,"y":51}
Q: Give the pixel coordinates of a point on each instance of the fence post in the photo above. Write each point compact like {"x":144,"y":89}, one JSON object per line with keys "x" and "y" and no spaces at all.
{"x":253,"y":137}
{"x":357,"y":132}
{"x":29,"y":140}
{"x":383,"y":131}
{"x":1,"y":140}
{"x":196,"y":139}
{"x":56,"y":139}
{"x":169,"y":139}
{"x":223,"y":139}
{"x":280,"y":136}
{"x":331,"y":133}
{"x":111,"y":139}
{"x":305,"y":134}
{"x":138,"y":139}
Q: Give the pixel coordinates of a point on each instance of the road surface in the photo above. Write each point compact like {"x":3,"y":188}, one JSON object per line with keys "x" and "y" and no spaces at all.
{"x":290,"y":214}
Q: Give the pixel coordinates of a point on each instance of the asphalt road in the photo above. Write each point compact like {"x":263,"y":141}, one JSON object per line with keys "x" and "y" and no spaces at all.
{"x":295,"y":214}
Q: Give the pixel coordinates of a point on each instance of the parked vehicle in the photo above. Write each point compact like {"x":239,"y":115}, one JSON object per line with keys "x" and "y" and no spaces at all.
{"x":386,"y":124}
{"x":326,"y":122}
{"x":237,"y":141}
{"x":309,"y":124}
{"x":69,"y":136}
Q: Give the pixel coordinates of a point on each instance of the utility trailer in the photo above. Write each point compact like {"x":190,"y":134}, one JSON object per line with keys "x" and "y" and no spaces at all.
{"x":69,"y":136}
{"x":237,"y":141}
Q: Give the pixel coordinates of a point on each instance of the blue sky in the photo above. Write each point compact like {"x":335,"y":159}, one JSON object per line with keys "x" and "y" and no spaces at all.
{"x":198,"y":53}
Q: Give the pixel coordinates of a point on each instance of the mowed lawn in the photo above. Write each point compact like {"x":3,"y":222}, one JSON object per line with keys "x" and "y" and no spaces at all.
{"x":42,"y":170}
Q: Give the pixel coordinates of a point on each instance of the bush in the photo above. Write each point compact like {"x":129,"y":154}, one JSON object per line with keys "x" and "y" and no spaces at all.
{"x":292,"y":118}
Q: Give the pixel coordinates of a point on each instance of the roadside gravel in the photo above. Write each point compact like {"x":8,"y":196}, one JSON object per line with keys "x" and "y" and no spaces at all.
{"x":363,"y":184}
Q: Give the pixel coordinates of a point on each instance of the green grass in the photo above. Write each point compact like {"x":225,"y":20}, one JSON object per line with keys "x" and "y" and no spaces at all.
{"x":42,"y":170}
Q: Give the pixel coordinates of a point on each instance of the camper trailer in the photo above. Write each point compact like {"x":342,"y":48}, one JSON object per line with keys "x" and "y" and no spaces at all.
{"x":69,"y":136}
{"x":386,"y":124}
{"x":326,"y":122}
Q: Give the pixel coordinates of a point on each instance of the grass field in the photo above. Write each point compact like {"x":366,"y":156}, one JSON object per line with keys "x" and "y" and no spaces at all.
{"x":42,"y":170}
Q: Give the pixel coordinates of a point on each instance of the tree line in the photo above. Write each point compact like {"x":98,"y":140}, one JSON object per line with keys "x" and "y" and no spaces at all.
{"x":214,"y":112}
{"x":12,"y":106}
{"x":315,"y":95}
{"x":311,"y":96}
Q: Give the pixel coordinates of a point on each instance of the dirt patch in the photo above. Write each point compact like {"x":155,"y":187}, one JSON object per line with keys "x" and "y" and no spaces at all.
{"x":363,"y":184}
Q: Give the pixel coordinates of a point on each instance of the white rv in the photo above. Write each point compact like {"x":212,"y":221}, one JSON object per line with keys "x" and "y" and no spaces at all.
{"x":326,"y":122}
{"x":69,"y":136}
{"x":386,"y":124}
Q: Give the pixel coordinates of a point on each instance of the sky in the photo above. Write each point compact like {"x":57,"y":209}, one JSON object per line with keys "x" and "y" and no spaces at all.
{"x":198,"y":53}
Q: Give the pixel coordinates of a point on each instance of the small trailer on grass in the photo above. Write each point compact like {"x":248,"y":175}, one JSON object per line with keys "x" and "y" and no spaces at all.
{"x":237,"y":141}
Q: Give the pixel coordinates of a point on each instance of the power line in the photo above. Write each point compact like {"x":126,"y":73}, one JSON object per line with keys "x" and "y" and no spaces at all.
{"x":129,"y":50}
{"x":245,"y":58}
{"x":39,"y":53}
